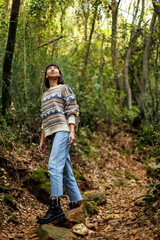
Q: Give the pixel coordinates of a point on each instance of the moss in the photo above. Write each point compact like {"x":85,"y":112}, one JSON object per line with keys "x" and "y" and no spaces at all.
{"x":10,"y":200}
{"x":120,"y":182}
{"x":117,"y":173}
{"x":90,"y":207}
{"x":130,"y":176}
{"x":43,"y":167}
{"x":8,"y":212}
{"x":98,"y":197}
{"x":78,"y":176}
{"x":39,"y":175}
{"x":106,"y":185}
{"x":47,"y":231}
{"x":40,"y":184}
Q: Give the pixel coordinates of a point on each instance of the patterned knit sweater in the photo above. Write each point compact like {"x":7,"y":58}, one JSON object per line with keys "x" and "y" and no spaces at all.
{"x":57,"y":110}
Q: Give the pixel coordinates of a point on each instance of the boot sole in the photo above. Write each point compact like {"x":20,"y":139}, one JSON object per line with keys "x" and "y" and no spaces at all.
{"x":59,"y":217}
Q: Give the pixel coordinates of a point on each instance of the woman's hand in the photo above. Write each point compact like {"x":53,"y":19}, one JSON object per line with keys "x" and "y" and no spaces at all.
{"x":71,"y":138}
{"x":71,"y":135}
{"x":42,"y":147}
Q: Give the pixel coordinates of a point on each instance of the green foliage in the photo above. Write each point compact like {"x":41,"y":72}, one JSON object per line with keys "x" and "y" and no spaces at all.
{"x":40,"y":184}
{"x":22,"y":125}
{"x":98,"y":197}
{"x":78,"y":176}
{"x":7,"y":135}
{"x":3,"y":175}
{"x":10,"y":200}
{"x":129,"y":116}
{"x":130,"y":176}
{"x":149,"y":146}
{"x":90,"y":208}
{"x":39,"y":176}
{"x":100,"y":102}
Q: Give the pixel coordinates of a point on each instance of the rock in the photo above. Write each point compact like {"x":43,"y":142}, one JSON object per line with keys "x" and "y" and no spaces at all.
{"x":76,"y":215}
{"x":80,"y":229}
{"x":50,"y":232}
{"x":91,"y":233}
{"x":39,"y":184}
{"x":114,"y":222}
{"x":98,"y":197}
{"x":90,"y":208}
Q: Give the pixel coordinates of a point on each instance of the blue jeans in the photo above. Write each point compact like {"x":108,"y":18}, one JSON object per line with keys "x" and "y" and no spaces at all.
{"x":60,"y":168}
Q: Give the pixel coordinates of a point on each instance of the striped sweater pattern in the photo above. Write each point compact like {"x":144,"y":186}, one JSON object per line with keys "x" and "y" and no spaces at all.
{"x":57,"y":110}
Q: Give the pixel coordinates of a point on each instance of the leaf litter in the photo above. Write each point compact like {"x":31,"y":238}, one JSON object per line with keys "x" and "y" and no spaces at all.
{"x":108,"y":166}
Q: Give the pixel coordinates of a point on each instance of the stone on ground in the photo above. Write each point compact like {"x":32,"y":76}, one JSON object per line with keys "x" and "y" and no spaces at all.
{"x":80,"y":229}
{"x":76,"y":215}
{"x":98,"y":197}
{"x":50,"y":232}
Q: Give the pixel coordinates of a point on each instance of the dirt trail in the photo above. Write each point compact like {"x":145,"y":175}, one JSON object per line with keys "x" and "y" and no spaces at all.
{"x":123,"y":177}
{"x":110,"y":167}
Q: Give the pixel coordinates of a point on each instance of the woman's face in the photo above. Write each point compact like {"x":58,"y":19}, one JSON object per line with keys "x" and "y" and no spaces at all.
{"x":52,"y":71}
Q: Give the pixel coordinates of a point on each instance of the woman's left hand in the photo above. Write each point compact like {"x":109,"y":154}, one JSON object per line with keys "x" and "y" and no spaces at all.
{"x":71,"y":138}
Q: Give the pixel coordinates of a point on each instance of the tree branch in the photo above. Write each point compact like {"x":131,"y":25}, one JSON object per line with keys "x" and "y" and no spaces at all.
{"x":51,"y":41}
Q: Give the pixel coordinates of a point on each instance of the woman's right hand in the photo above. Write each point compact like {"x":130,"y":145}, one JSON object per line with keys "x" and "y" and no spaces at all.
{"x":42,"y":147}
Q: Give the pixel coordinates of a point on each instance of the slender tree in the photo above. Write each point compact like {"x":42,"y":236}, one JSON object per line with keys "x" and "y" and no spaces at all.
{"x":128,"y":55}
{"x":101,"y":72}
{"x":145,"y":66}
{"x":115,"y":6}
{"x":24,"y":50}
{"x":90,"y":38}
{"x":156,"y":5}
{"x":7,"y":65}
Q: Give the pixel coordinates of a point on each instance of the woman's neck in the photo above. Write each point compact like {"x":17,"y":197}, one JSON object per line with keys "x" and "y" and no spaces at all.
{"x":53,"y":82}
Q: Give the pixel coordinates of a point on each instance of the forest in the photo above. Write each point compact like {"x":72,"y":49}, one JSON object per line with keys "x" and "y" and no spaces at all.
{"x":109,"y":54}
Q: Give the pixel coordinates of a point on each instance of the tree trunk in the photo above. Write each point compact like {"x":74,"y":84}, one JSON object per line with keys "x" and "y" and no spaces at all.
{"x":24,"y":51}
{"x":156,"y":5}
{"x":89,"y":41}
{"x":115,"y":6}
{"x":145,"y":66}
{"x":135,"y":12}
{"x":7,"y":65}
{"x":86,"y":16}
{"x":127,"y":59}
{"x":101,"y":73}
{"x":156,"y":84}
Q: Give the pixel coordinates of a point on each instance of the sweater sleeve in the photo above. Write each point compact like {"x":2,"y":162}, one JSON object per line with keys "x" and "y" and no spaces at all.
{"x":70,"y":108}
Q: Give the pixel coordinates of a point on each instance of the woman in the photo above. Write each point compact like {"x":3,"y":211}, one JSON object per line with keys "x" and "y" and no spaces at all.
{"x":58,"y":119}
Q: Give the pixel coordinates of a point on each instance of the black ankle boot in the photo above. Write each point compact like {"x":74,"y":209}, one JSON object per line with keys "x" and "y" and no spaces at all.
{"x":54,"y":213}
{"x":73,"y":205}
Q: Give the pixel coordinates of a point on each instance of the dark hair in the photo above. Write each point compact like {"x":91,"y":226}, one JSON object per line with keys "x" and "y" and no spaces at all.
{"x":60,"y":79}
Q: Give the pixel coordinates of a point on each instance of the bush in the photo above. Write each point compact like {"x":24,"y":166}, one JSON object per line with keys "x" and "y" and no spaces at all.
{"x":149,"y":146}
